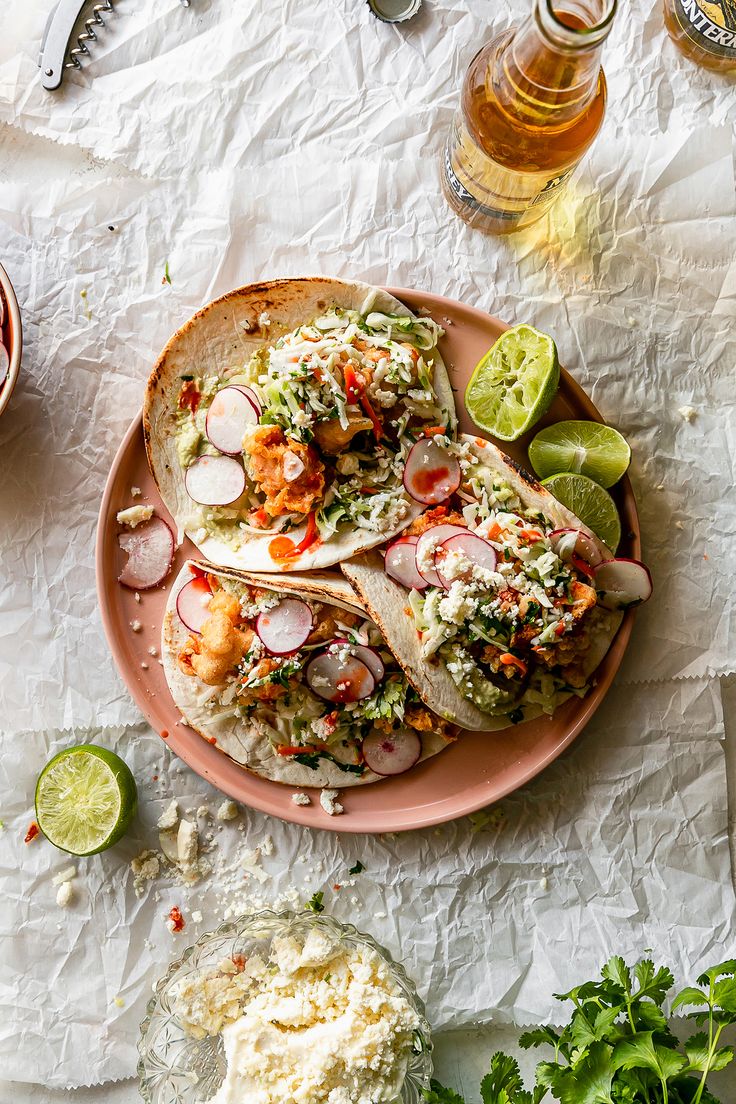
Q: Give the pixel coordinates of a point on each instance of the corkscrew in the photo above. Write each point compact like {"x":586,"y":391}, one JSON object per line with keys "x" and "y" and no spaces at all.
{"x":54,"y":59}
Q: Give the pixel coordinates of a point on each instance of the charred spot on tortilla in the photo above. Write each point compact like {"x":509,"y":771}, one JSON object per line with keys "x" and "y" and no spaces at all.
{"x":529,"y":479}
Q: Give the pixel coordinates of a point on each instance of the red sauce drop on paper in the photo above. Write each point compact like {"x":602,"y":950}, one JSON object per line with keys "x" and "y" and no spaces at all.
{"x":32,"y":832}
{"x":177,"y":920}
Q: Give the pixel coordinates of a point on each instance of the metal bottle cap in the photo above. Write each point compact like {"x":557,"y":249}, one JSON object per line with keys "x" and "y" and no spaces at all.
{"x":394,"y":11}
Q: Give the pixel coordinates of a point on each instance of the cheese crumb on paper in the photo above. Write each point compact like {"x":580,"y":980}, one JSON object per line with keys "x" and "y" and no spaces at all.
{"x":330,"y":804}
{"x":227,"y":811}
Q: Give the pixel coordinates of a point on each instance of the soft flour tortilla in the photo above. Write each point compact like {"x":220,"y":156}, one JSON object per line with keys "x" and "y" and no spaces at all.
{"x":387,"y":603}
{"x":223,"y":335}
{"x":241,"y":739}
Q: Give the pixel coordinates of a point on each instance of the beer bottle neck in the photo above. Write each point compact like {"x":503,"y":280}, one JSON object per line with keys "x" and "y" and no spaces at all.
{"x":551,"y":64}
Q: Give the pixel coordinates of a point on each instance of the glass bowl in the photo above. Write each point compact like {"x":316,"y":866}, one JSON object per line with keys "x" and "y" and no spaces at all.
{"x":174,"y":1068}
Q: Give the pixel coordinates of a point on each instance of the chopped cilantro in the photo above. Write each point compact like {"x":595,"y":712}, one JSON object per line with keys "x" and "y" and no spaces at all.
{"x":186,"y":377}
{"x":166,"y":278}
{"x":315,"y":902}
{"x":516,"y":716}
{"x":357,"y":869}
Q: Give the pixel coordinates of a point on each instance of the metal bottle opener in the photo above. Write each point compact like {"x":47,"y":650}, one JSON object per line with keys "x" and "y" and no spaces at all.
{"x":59,"y":26}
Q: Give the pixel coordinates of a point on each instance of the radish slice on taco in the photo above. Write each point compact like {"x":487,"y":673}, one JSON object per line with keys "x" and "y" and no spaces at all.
{"x":279,"y":421}
{"x":289,"y":677}
{"x":511,"y":624}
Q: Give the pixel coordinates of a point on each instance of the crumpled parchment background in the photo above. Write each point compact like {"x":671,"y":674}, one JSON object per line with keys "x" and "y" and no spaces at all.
{"x":620,"y":845}
{"x":259,"y":140}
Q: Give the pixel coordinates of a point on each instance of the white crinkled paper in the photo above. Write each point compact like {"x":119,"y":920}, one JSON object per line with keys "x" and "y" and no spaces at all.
{"x":257,"y":140}
{"x":620,"y":845}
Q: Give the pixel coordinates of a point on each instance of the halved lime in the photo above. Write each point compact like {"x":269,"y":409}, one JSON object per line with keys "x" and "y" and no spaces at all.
{"x":589,"y":502}
{"x":598,"y":451}
{"x":514,"y":383}
{"x":85,"y":799}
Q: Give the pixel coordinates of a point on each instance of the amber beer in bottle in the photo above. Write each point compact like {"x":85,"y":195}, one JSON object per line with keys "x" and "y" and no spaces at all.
{"x":532,"y":103}
{"x":705,"y":31}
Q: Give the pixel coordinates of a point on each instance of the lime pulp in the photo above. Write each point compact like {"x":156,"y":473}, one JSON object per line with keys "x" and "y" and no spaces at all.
{"x":85,"y":799}
{"x":587,"y":448}
{"x":514,"y":383}
{"x":589,"y":502}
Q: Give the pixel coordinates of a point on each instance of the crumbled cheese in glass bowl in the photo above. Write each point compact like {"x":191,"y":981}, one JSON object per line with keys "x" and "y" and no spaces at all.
{"x":182,"y":1051}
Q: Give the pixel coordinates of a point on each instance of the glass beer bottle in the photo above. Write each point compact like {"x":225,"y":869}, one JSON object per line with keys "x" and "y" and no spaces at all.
{"x":704,"y":31}
{"x":533,"y":101}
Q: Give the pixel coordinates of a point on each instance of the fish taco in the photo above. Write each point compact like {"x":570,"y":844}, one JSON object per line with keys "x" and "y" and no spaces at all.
{"x":289,"y":677}
{"x":278,"y":421}
{"x":489,"y":600}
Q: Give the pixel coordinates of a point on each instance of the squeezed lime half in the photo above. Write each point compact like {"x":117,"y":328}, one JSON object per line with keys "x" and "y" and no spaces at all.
{"x":514,"y":383}
{"x":589,"y":502}
{"x":85,"y":799}
{"x":587,"y":448}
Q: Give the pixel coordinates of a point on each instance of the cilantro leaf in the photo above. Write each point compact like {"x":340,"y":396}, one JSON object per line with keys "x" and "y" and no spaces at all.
{"x":438,"y":1094}
{"x":166,"y":279}
{"x":315,"y":902}
{"x":357,"y":869}
{"x":618,"y":972}
{"x":539,"y":1036}
{"x":728,"y":968}
{"x":503,"y":1084}
{"x":590,"y":1081}
{"x":689,"y":995}
{"x":641,"y":1052}
{"x":653,"y":983}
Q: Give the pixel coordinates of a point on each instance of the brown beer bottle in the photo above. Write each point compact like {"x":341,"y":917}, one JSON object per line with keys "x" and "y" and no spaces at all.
{"x":532,"y":102}
{"x":705,"y":31}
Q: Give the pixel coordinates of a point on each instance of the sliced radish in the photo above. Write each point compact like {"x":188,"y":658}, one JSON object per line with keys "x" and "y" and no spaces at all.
{"x":4,"y":361}
{"x":428,"y":544}
{"x":285,"y":627}
{"x":251,"y":395}
{"x":193,"y":602}
{"x":228,"y":418}
{"x":215,"y":480}
{"x":622,"y":583}
{"x":150,"y":549}
{"x":367,"y":655}
{"x":574,"y":542}
{"x":463,"y":546}
{"x":339,"y":680}
{"x":2,"y":310}
{"x":392,"y":753}
{"x":431,"y":474}
{"x":401,"y":564}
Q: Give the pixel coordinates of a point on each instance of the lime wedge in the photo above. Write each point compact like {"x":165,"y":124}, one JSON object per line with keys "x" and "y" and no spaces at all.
{"x":589,"y":502}
{"x":85,"y":799}
{"x":514,"y":383}
{"x":598,"y":451}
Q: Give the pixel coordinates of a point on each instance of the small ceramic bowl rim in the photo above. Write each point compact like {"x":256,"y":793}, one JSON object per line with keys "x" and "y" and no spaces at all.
{"x":14,"y":353}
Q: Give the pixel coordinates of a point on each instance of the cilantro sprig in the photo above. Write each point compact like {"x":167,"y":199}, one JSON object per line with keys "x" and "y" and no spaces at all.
{"x":617,"y":1047}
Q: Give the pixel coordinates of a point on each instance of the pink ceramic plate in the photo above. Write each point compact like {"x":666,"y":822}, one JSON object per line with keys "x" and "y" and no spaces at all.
{"x":479,"y":768}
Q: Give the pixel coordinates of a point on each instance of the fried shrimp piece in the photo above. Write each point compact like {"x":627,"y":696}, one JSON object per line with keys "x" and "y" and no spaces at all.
{"x":225,"y":603}
{"x":326,"y":628}
{"x":268,"y":451}
{"x":582,"y":598}
{"x":423,"y":720}
{"x":439,"y":516}
{"x":333,"y":439}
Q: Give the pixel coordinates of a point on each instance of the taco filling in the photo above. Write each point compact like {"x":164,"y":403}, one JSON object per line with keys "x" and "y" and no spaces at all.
{"x":501,"y":592}
{"x":320,"y":424}
{"x":311,"y":680}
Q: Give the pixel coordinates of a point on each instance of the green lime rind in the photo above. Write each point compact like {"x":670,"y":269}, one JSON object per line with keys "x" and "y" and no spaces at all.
{"x":514,"y":384}
{"x":86,"y":798}
{"x":586,"y":448}
{"x":589,"y":502}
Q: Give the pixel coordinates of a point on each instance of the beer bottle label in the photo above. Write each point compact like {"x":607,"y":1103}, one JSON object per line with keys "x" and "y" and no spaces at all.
{"x":506,"y":214}
{"x":709,"y":24}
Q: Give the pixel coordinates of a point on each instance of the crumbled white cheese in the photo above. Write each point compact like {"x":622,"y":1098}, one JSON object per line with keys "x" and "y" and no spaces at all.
{"x":134,"y":492}
{"x":347,"y":464}
{"x":136,"y":625}
{"x":319,"y":1022}
{"x":196,"y":917}
{"x":330,"y":804}
{"x":169,"y":817}
{"x":152,"y":651}
{"x":145,"y":867}
{"x":267,"y":845}
{"x":187,"y":843}
{"x":301,"y":799}
{"x":134,"y":515}
{"x":458,"y":605}
{"x":227,"y":811}
{"x":264,"y":319}
{"x":65,"y":894}
{"x":687,"y":413}
{"x":64,"y":875}
{"x":250,"y":862}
